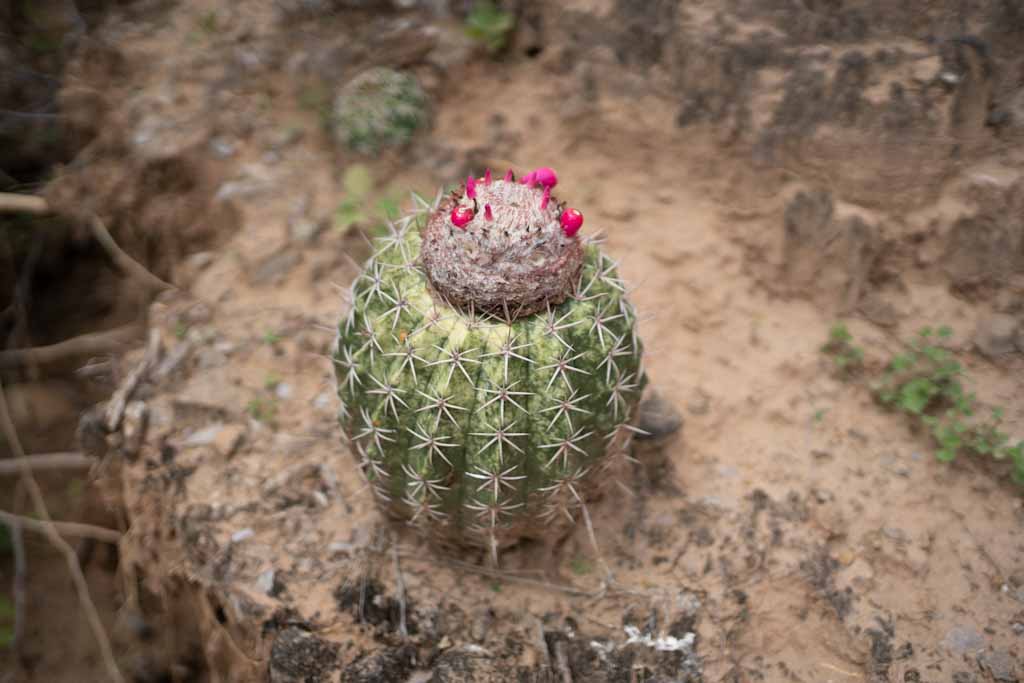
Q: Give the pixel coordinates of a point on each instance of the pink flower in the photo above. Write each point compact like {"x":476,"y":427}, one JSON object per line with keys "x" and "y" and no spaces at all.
{"x":487,"y":177}
{"x":509,"y":177}
{"x":471,"y":187}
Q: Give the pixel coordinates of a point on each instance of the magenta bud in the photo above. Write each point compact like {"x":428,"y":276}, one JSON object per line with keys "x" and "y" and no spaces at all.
{"x":529,"y":179}
{"x":546,"y":176}
{"x":471,"y":187}
{"x":487,"y":177}
{"x":461,"y":216}
{"x":546,"y":198}
{"x":572,"y":221}
{"x":487,"y":212}
{"x":509,"y":177}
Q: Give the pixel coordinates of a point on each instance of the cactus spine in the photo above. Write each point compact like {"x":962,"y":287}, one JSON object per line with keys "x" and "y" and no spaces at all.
{"x":489,"y":365}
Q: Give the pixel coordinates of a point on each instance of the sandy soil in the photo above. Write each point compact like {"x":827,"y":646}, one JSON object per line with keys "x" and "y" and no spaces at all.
{"x":798,"y":532}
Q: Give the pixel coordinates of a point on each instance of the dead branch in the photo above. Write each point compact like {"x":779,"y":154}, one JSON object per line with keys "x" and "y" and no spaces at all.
{"x":75,"y":529}
{"x":116,"y":405}
{"x":23,"y":203}
{"x":18,"y":585}
{"x":91,"y":344}
{"x":46,"y":461}
{"x":45,"y":523}
{"x":122,"y":259}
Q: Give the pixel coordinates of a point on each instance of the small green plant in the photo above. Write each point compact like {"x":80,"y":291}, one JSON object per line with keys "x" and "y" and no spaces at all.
{"x":262,"y":410}
{"x":490,"y":25}
{"x":926,"y":383}
{"x":356,"y":209}
{"x":580,"y":565}
{"x":208,"y":23}
{"x":271,"y":381}
{"x":848,"y":359}
{"x":271,"y":338}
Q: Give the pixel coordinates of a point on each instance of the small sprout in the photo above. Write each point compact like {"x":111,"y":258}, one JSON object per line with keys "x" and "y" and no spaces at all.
{"x":271,"y":338}
{"x":580,"y":566}
{"x":471,"y":187}
{"x":262,"y":410}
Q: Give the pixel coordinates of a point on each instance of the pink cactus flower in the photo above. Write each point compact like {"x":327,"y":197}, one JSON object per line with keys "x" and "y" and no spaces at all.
{"x":546,"y":176}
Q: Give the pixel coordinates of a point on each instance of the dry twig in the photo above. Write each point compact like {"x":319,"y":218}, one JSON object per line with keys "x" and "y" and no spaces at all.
{"x":23,"y":203}
{"x":53,"y":535}
{"x":122,"y":259}
{"x":18,"y":586}
{"x":46,"y":461}
{"x":90,"y":344}
{"x":75,"y":529}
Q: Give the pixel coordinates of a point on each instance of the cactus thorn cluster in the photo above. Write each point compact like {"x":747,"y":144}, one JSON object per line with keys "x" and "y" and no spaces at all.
{"x":488,"y":366}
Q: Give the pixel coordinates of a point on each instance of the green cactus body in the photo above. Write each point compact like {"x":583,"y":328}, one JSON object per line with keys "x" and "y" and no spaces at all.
{"x":379,"y":108}
{"x":482,"y":428}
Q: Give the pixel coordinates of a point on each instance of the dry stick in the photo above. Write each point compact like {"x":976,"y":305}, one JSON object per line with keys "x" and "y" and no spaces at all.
{"x":75,"y":529}
{"x":23,"y":203}
{"x":46,"y":524}
{"x":93,"y":343}
{"x":122,"y":259}
{"x":46,"y":461}
{"x":18,"y":585}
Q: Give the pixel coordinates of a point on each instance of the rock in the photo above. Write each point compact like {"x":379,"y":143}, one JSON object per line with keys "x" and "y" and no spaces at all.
{"x":1000,"y":665}
{"x":304,"y":230}
{"x":265,"y":582}
{"x":301,"y":657}
{"x":393,"y":664}
{"x":228,"y":439}
{"x":997,"y":335}
{"x":963,"y":639}
{"x":203,"y":437}
{"x":657,"y":418}
{"x":274,"y":267}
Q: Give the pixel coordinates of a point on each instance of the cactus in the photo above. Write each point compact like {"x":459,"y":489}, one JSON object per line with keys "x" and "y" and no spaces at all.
{"x":379,"y":108}
{"x":489,"y":365}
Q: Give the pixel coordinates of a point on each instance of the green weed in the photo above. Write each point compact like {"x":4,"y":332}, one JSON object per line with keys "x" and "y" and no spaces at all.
{"x":847,"y":358}
{"x":262,"y":410}
{"x":926,"y":383}
{"x":357,"y":210}
{"x":490,"y":25}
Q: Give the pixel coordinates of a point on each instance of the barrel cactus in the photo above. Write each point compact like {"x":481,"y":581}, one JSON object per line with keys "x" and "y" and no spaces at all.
{"x":379,"y":108}
{"x":489,"y":366}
